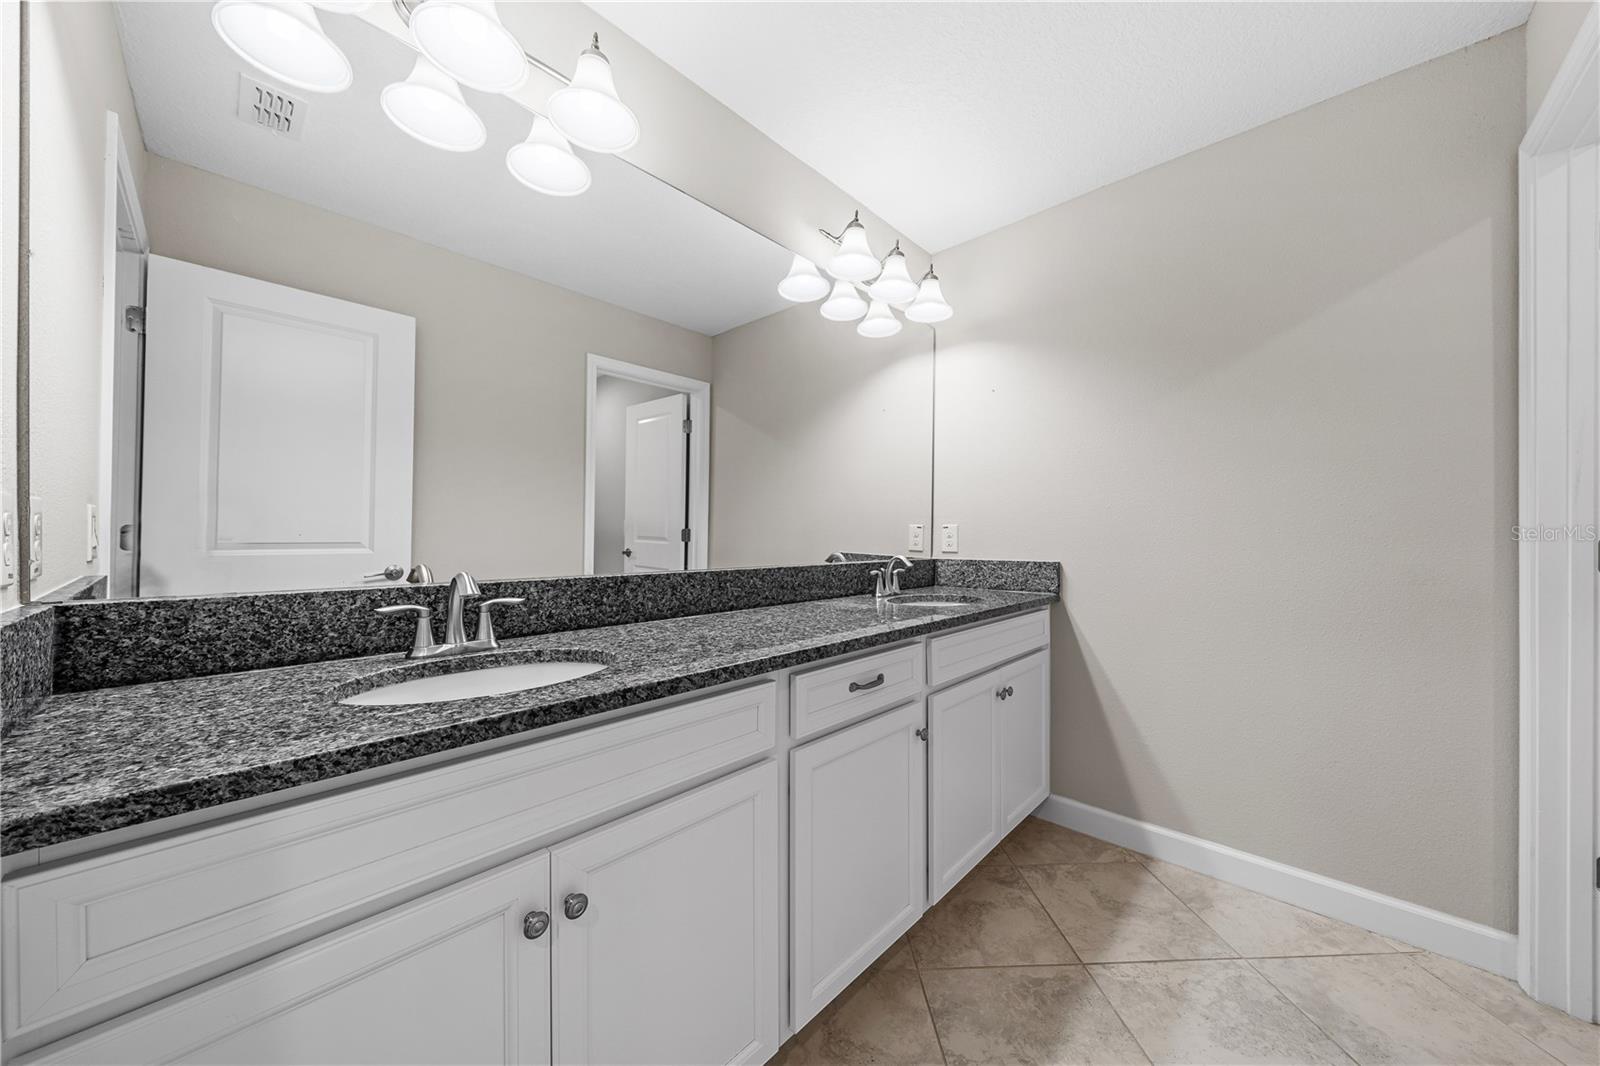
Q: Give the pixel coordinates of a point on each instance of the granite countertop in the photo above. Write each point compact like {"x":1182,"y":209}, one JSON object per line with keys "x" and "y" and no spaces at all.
{"x":103,"y":759}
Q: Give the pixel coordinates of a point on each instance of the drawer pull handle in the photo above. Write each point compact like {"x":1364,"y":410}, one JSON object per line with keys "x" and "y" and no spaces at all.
{"x":862,"y":686}
{"x":534,"y":924}
{"x":574,"y":905}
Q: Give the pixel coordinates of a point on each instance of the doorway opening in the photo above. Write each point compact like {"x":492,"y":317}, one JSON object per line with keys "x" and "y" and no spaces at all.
{"x":647,"y":470}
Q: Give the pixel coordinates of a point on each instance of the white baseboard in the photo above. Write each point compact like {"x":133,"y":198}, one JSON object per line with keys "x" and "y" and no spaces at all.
{"x":1445,"y":934}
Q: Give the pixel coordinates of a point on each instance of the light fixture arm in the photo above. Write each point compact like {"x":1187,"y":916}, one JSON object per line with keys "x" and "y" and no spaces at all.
{"x":835,"y":238}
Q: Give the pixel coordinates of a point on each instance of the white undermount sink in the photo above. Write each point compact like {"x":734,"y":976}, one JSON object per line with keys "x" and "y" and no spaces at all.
{"x":471,"y":684}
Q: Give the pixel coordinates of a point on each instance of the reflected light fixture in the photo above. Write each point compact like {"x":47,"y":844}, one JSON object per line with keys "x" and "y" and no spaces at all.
{"x":545,"y":163}
{"x":285,"y":41}
{"x":467,"y":40}
{"x":929,"y":306}
{"x":804,"y":283}
{"x":854,"y":260}
{"x":845,"y":305}
{"x":428,"y":105}
{"x":880,"y":321}
{"x":894,"y":285}
{"x":589,"y":112}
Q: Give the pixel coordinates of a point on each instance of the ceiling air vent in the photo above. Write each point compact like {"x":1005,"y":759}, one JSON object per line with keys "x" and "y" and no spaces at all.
{"x":270,"y":109}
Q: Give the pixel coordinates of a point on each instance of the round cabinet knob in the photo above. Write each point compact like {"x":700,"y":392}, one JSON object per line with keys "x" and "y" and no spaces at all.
{"x":574,"y":905}
{"x":534,"y":924}
{"x":628,"y":552}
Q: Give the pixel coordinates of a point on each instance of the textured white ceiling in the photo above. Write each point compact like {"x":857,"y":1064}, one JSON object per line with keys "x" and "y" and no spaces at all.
{"x":630,"y":240}
{"x":951,"y":120}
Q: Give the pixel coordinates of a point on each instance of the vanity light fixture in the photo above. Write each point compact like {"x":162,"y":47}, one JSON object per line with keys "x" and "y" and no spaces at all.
{"x":428,"y":105}
{"x":285,"y":41}
{"x":588,"y":110}
{"x":854,"y":260}
{"x":545,"y":162}
{"x":467,"y":40}
{"x":880,"y":321}
{"x":845,"y":305}
{"x":804,"y":282}
{"x":894,"y":285}
{"x":929,"y":306}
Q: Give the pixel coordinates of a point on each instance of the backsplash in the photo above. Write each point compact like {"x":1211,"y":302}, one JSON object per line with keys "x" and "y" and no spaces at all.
{"x":27,"y":638}
{"x":80,"y":645}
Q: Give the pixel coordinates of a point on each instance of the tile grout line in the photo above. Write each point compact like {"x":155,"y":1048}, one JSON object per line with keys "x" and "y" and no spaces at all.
{"x":927,"y":1005}
{"x":1303,"y":1012}
{"x":1469,"y":1001}
{"x":1145,"y":866}
{"x":1089,"y":973}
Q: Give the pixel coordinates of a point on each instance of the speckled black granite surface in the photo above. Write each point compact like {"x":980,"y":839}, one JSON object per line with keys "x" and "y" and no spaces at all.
{"x":1016,"y":574}
{"x":26,"y":649}
{"x":87,"y":762}
{"x":127,"y":642}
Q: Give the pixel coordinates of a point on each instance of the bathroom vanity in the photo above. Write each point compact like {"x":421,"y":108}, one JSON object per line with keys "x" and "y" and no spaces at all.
{"x":686,"y":878}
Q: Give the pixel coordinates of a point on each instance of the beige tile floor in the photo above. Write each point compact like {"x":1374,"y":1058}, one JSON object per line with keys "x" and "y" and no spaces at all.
{"x":1061,"y":948}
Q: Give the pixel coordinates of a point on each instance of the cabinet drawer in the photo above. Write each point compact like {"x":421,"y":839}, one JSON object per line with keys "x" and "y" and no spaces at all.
{"x":957,"y":655}
{"x":133,"y":924}
{"x":833,"y":695}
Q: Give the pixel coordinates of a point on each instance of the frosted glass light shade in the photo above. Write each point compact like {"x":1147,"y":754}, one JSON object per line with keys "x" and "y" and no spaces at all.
{"x":894,"y":285}
{"x":545,"y":163}
{"x":854,"y":260}
{"x":880,"y":321}
{"x":589,"y":112}
{"x":803,"y":283}
{"x":284,"y":41}
{"x":428,"y":106}
{"x":466,"y":40}
{"x":929,"y":306}
{"x":845,"y":305}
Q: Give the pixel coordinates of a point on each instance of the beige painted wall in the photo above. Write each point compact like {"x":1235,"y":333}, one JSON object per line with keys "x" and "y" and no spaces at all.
{"x":500,"y":362}
{"x":1261,"y":402}
{"x":75,"y":76}
{"x":820,"y":439}
{"x":1551,"y":28}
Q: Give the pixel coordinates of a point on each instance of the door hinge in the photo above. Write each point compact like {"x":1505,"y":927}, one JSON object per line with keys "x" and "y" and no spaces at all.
{"x":688,"y":426}
{"x":683,"y":535}
{"x":133,"y":319}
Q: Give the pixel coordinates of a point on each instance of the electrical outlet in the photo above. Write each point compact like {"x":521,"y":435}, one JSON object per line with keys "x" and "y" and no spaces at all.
{"x":947,"y":537}
{"x":91,"y":531}
{"x":916,"y":537}
{"x":35,"y":537}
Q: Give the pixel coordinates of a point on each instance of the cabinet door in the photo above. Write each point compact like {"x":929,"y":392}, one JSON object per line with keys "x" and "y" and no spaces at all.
{"x":666,"y":946}
{"x":451,"y":977}
{"x":1022,"y":724}
{"x":963,"y":781}
{"x":859,"y":870}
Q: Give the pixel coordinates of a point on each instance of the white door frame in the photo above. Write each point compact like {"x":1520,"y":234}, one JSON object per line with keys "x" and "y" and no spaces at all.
{"x":699,"y":393}
{"x":121,"y":197}
{"x":1560,"y":406}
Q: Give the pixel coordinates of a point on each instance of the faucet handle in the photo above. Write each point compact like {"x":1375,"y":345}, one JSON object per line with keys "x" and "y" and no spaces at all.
{"x":486,"y":637}
{"x":423,"y":639}
{"x":880,"y":587}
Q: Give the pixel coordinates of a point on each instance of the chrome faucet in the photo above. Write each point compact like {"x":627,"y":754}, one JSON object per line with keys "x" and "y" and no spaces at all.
{"x":455,"y":642}
{"x":888,"y":583}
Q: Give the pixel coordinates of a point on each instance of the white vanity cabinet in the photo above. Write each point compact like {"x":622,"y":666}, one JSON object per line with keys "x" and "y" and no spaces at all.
{"x":858,"y":801}
{"x":691,"y":883}
{"x":988,"y":764}
{"x":667,"y":928}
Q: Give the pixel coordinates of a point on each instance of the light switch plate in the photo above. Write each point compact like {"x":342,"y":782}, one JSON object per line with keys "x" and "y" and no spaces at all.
{"x":917,"y":535}
{"x":35,"y":537}
{"x":8,"y":541}
{"x":947,"y":537}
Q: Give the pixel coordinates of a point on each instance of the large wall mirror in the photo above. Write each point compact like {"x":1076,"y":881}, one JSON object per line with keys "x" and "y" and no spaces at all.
{"x":326,"y":354}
